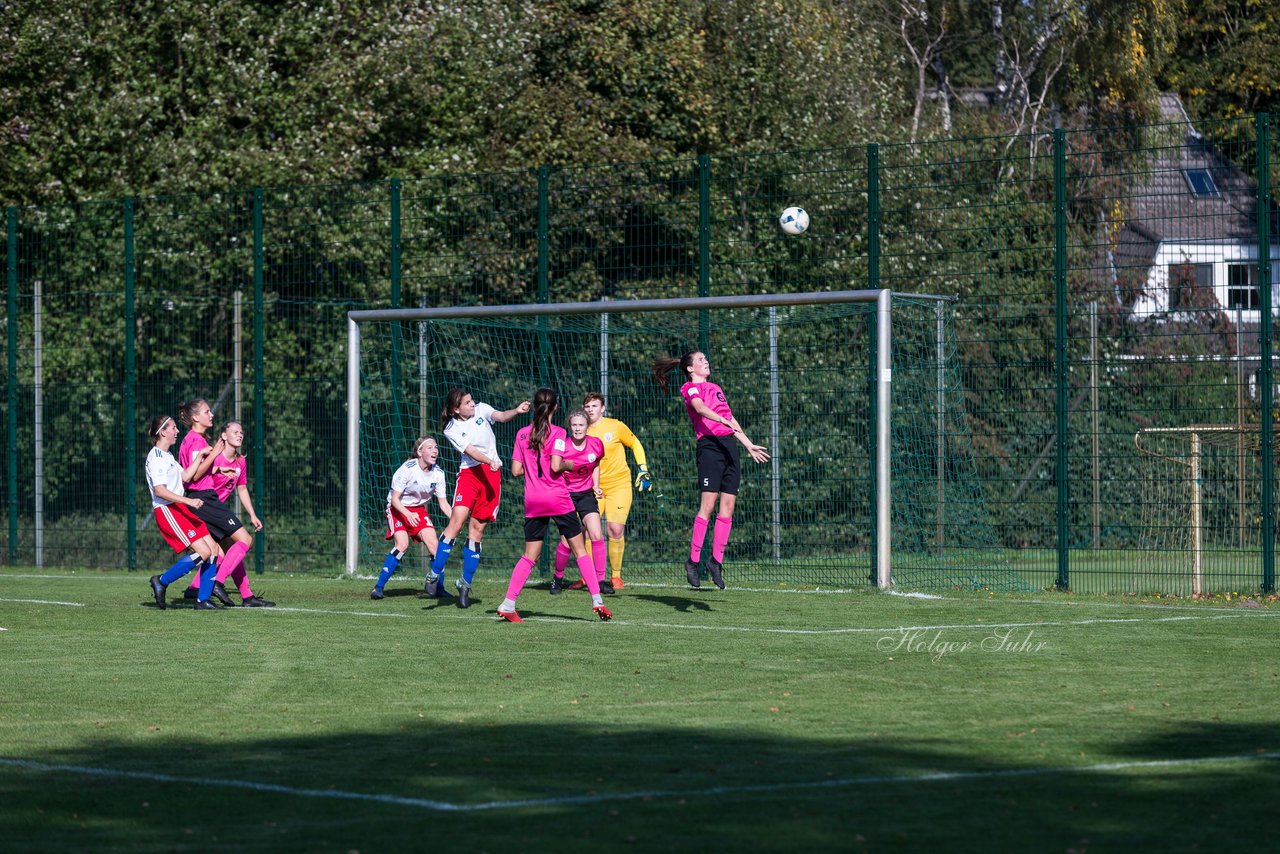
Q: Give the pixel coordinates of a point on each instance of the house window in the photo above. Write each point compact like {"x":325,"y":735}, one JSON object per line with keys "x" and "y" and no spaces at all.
{"x":1201,"y":182}
{"x":1191,"y":286}
{"x":1242,"y":286}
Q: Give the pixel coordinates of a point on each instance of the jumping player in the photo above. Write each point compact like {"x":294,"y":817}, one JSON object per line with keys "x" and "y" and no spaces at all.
{"x":469,"y":428}
{"x":179,"y":526}
{"x":413,"y":486}
{"x":583,"y":482}
{"x":615,"y":476}
{"x":539,"y":458}
{"x":718,"y":470}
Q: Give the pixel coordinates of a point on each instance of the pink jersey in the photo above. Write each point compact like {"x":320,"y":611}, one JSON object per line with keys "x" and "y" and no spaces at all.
{"x":191,"y":443}
{"x":585,"y":461}
{"x":227,"y":475}
{"x":545,"y":493}
{"x":713,"y":397}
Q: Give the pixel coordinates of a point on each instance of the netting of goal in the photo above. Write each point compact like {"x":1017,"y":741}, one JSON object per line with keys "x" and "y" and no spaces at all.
{"x":1200,"y":520}
{"x":801,"y":373}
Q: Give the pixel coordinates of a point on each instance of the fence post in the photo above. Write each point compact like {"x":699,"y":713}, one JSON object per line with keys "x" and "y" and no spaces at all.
{"x":1265,"y":372}
{"x":873,"y":282}
{"x":259,"y":361}
{"x":130,"y":389}
{"x":704,"y":248}
{"x":544,"y":270}
{"x":11,"y":318}
{"x":1060,"y":345}
{"x":397,"y":428}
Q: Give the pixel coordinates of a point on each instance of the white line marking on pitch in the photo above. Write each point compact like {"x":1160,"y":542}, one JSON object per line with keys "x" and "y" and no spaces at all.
{"x":339,"y":613}
{"x":577,"y":800}
{"x":45,"y":602}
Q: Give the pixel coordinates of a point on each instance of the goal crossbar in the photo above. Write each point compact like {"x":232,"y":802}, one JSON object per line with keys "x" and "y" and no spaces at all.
{"x":883,"y":378}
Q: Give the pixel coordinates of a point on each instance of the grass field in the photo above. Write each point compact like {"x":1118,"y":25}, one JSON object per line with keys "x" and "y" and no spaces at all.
{"x":747,"y":719}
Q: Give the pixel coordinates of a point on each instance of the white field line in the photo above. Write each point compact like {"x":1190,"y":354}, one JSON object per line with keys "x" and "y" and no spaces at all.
{"x":45,"y":602}
{"x":647,"y":794}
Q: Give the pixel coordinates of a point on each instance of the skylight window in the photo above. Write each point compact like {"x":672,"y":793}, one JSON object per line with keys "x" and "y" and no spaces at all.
{"x":1201,"y":182}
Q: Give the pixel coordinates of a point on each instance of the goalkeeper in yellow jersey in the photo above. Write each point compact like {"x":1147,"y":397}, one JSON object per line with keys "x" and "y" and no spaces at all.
{"x":615,"y":476}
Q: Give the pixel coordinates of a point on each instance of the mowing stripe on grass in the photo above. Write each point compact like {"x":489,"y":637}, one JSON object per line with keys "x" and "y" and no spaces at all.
{"x":596,"y":798}
{"x":45,"y":602}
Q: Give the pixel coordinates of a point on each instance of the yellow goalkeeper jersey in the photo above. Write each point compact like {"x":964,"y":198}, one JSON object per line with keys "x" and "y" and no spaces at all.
{"x":617,"y":437}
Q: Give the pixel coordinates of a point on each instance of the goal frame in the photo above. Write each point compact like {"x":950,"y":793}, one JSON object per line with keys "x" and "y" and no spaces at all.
{"x":882,"y":298}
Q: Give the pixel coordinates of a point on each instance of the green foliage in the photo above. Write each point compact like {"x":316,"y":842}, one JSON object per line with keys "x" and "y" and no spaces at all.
{"x":1225,"y":64}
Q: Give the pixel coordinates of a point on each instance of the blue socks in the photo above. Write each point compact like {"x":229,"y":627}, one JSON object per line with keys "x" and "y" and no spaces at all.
{"x":185,"y":564}
{"x":389,"y":567}
{"x":443,"y":548}
{"x":470,"y":561}
{"x":206,"y":581}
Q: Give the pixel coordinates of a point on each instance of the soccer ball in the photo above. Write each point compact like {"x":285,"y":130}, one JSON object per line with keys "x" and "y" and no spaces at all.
{"x":794,"y":221}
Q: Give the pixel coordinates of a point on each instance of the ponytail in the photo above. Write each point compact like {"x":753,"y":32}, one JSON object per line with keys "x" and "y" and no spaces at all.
{"x":452,"y":401}
{"x":544,"y":406}
{"x":663,"y":367}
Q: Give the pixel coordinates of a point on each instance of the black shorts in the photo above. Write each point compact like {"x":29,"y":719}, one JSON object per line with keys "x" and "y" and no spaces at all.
{"x":718,"y":469}
{"x":217,"y":517}
{"x":535,"y":527}
{"x":585,"y":503}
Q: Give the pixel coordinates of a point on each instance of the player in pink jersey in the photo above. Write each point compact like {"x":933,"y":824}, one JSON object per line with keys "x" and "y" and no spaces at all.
{"x":539,"y":457}
{"x":717,"y":454}
{"x":228,"y":475}
{"x":586,"y":452}
{"x":224,"y":526}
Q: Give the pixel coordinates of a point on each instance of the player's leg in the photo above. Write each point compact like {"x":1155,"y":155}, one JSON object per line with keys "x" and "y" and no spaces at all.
{"x":561,"y":561}
{"x":534,"y":530}
{"x":593,"y":530}
{"x":571,"y":527}
{"x":461,"y":513}
{"x":471,"y":560}
{"x":729,"y":482}
{"x":400,"y":545}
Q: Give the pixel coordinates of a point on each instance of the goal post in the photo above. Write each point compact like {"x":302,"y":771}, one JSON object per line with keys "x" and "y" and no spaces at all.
{"x":878,"y":304}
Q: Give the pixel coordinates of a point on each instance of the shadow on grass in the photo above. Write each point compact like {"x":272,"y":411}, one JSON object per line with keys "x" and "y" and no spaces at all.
{"x":682,"y":604}
{"x":454,"y":786}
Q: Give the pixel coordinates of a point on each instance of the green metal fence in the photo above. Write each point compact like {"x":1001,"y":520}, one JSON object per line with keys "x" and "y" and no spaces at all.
{"x":1112,"y":334}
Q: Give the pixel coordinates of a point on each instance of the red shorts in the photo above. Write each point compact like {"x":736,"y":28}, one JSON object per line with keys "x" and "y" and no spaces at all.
{"x":479,"y":489}
{"x":179,"y":526}
{"x":397,"y":522}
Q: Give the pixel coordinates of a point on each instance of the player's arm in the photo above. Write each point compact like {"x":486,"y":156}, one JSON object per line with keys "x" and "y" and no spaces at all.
{"x":643,"y":481}
{"x":559,"y":464}
{"x":408,"y":513}
{"x":480,"y":457}
{"x":445,"y":507}
{"x":194,"y":470}
{"x":507,"y":414}
{"x":169,"y":495}
{"x":203,"y":463}
{"x":595,"y":482}
{"x":243,"y":491}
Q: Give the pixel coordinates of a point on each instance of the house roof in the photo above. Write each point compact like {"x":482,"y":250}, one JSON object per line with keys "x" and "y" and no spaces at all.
{"x":1165,"y":208}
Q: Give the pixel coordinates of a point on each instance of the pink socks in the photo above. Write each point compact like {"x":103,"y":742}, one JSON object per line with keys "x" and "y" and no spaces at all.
{"x":519,"y":575}
{"x":599,"y":557}
{"x":562,"y":558}
{"x":720,"y":537}
{"x":699,"y":534}
{"x":231,"y":562}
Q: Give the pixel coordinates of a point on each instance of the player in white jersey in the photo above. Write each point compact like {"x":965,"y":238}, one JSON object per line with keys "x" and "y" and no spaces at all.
{"x":413,"y":486}
{"x":172,"y":508}
{"x":469,"y":428}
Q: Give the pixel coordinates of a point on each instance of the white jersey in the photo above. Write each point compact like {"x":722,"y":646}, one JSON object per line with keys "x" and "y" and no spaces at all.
{"x":163,"y":470}
{"x":477,"y":431}
{"x":416,"y":486}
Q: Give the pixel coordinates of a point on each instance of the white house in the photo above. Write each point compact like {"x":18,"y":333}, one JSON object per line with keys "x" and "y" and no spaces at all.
{"x":1191,"y":238}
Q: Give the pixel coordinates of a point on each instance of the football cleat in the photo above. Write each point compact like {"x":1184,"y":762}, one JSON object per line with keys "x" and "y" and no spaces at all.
{"x":606,"y":588}
{"x":602,"y":612}
{"x":510,"y":616}
{"x":617,"y":582}
{"x":464,"y":594}
{"x":376,"y":593}
{"x":206,"y":605}
{"x":257,"y":602}
{"x":191,"y":593}
{"x":220,"y":593}
{"x":691,"y":573}
{"x":557,"y":585}
{"x":714,"y":570}
{"x":577,"y":585}
{"x":158,"y":590}
{"x":435,"y":588}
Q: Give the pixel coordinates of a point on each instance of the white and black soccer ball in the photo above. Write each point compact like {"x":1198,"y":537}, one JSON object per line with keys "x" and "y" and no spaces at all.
{"x":794,"y":221}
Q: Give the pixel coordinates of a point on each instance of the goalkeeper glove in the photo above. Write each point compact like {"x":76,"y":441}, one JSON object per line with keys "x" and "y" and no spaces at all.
{"x":643,"y":482}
